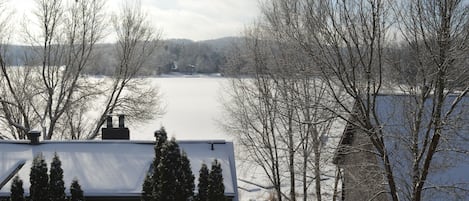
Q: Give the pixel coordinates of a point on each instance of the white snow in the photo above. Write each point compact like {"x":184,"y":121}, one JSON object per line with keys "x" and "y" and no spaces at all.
{"x":110,"y":167}
{"x":192,"y":109}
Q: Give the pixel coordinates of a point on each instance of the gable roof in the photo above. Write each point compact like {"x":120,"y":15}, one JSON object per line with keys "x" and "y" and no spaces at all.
{"x":110,"y":167}
{"x":449,"y":165}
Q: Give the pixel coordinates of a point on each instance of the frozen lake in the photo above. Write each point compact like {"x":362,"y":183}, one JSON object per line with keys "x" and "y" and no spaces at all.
{"x":193,"y":108}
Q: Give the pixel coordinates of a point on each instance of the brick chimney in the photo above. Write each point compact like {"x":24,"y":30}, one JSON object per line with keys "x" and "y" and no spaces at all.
{"x":33,"y":137}
{"x":118,"y":133}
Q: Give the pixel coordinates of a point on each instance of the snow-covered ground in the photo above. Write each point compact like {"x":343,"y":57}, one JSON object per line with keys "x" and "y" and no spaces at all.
{"x":192,"y":109}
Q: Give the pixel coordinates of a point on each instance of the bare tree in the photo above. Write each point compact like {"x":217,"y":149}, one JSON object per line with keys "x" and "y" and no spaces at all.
{"x":349,"y":41}
{"x":136,"y":42}
{"x":57,"y":96}
{"x":253,"y":115}
{"x":12,"y":107}
{"x":277,"y":114}
{"x":44,"y":94}
{"x":436,"y":32}
{"x":69,"y":34}
{"x":346,"y":39}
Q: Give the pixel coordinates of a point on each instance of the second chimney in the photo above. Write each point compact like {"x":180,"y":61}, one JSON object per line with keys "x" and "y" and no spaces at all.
{"x":121,"y":121}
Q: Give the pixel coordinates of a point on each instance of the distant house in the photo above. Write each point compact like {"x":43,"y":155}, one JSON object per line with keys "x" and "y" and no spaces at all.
{"x":362,"y":172}
{"x":191,"y":69}
{"x":111,"y":169}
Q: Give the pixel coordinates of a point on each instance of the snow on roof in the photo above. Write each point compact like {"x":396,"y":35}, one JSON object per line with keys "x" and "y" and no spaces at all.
{"x":115,"y":168}
{"x":450,"y":163}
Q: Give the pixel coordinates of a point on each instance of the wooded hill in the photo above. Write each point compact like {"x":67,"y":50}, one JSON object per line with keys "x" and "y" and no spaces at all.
{"x":172,"y":55}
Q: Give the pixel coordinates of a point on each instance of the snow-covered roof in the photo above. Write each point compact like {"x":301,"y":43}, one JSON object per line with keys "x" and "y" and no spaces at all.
{"x":450,"y":163}
{"x":111,"y":167}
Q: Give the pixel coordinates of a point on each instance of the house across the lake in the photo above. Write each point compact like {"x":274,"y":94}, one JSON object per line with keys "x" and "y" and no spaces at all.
{"x":108,"y":169}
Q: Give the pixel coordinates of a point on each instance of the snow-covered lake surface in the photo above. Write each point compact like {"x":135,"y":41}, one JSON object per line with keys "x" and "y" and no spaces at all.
{"x":193,"y":109}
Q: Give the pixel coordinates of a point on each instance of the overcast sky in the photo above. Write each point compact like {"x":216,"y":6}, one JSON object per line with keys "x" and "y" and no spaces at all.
{"x":191,"y":19}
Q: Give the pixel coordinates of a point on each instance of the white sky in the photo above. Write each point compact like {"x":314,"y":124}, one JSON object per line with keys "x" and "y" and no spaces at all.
{"x":191,"y":19}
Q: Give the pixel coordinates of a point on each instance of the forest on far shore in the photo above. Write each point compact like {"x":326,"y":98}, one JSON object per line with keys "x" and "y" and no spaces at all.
{"x":172,"y":55}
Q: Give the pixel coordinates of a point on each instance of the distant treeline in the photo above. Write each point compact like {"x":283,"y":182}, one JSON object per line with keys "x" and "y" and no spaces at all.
{"x":174,"y":55}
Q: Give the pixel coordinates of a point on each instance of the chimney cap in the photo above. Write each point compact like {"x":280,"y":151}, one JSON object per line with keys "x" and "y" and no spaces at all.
{"x":33,"y":136}
{"x":34,"y":133}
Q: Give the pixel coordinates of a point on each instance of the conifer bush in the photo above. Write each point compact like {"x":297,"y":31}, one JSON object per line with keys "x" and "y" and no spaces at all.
{"x":161,"y":138}
{"x":76,"y":192}
{"x":186,"y":178}
{"x":147,"y":188}
{"x":56,"y":182}
{"x":171,"y":178}
{"x":202,"y":194}
{"x":167,"y":181}
{"x":216,"y":189}
{"x":17,"y":191}
{"x":39,"y":179}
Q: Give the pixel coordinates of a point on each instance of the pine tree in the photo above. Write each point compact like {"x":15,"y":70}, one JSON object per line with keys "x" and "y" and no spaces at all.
{"x":17,"y":191}
{"x":203,"y":184}
{"x":167,"y":182}
{"x":186,"y":178}
{"x":147,"y":188}
{"x":39,"y":179}
{"x":171,"y":178}
{"x":161,"y":139}
{"x":76,"y":192}
{"x":216,"y":189}
{"x":56,"y":182}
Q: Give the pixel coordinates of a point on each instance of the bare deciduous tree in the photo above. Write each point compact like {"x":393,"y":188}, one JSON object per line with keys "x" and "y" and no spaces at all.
{"x":437,"y":34}
{"x":57,"y":96}
{"x":11,"y":108}
{"x":277,"y":114}
{"x":349,"y":41}
{"x":69,"y":34}
{"x":136,"y":42}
